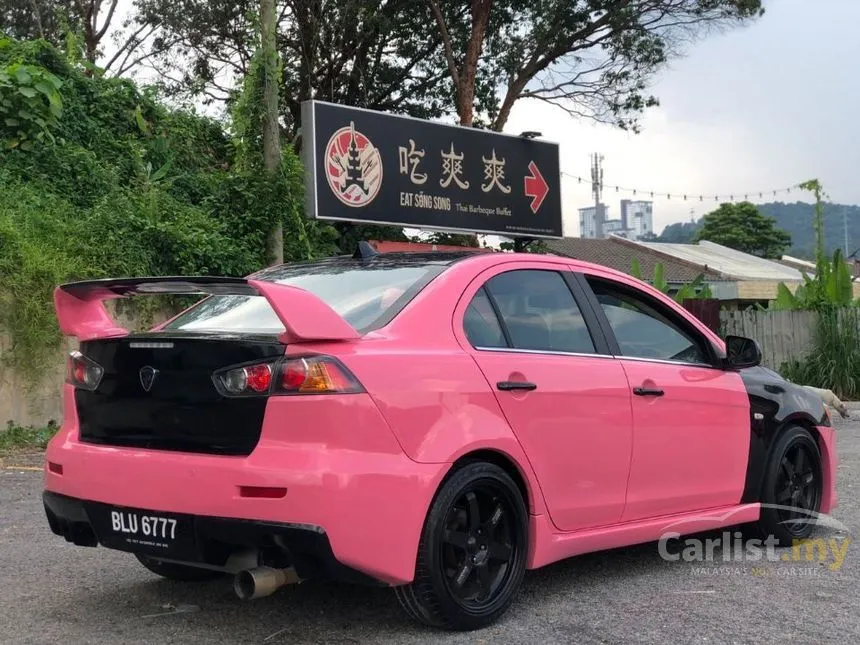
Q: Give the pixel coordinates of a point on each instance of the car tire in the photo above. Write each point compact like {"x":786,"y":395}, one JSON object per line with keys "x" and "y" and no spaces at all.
{"x":177,"y":572}
{"x":472,"y":553}
{"x":792,"y":487}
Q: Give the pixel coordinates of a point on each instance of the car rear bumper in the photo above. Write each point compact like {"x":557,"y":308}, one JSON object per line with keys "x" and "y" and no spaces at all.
{"x":212,"y":541}
{"x":334,"y":472}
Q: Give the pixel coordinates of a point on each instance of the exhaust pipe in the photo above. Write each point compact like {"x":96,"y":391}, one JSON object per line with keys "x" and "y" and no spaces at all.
{"x":262,"y":581}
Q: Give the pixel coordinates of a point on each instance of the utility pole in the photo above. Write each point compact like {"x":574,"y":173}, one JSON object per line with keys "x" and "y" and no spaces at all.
{"x":845,"y":227}
{"x":596,"y":187}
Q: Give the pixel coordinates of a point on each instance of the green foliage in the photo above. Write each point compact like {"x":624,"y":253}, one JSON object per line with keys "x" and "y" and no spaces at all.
{"x":834,"y":362}
{"x":49,"y":19}
{"x":348,"y":235}
{"x":798,"y":220}
{"x":659,"y":280}
{"x":831,"y":286}
{"x":697,"y":289}
{"x":680,"y":232}
{"x":378,"y":55}
{"x":594,"y":59}
{"x":742,"y":227}
{"x":130,"y":187}
{"x":17,"y":438}
{"x":814,"y":186}
{"x":535,"y":246}
{"x":30,"y":103}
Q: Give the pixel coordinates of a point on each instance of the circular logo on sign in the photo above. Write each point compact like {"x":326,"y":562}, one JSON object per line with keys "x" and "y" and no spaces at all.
{"x":353,"y":167}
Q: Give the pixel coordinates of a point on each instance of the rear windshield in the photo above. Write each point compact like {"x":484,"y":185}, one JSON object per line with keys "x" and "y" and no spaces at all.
{"x":367,"y":296}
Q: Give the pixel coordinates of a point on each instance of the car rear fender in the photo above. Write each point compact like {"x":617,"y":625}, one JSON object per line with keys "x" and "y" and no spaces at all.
{"x":439,"y":406}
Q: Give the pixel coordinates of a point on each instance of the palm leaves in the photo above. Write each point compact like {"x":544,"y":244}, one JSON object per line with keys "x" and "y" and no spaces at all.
{"x":695,"y":290}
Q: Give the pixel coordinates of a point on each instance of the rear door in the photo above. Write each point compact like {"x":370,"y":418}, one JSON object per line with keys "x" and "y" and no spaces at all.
{"x":691,"y":427}
{"x":568,"y":405}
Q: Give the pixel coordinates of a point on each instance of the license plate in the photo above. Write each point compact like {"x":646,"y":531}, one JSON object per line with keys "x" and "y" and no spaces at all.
{"x":143,"y":531}
{"x":161,"y":531}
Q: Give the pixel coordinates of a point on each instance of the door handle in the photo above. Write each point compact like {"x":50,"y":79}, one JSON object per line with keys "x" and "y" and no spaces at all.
{"x":506,"y":386}
{"x":648,"y":391}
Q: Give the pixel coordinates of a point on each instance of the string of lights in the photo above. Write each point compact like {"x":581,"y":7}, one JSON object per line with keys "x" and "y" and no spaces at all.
{"x":731,"y":197}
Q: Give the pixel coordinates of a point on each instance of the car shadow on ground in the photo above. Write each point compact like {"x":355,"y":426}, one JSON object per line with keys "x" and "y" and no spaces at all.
{"x":338,"y":613}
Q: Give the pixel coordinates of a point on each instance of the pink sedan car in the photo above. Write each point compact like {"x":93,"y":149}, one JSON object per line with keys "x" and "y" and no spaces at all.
{"x":437,"y":423}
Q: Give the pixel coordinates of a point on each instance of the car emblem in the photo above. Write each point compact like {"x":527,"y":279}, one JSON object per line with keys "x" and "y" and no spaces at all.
{"x":147,"y":377}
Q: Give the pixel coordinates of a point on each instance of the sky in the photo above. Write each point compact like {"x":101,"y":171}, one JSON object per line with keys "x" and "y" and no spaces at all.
{"x":757,"y":108}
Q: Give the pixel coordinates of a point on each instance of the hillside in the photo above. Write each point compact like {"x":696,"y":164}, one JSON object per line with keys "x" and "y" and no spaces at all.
{"x":99,"y":179}
{"x":796,"y":219}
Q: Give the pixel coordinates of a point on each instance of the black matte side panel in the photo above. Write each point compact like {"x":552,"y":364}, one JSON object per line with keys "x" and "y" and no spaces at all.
{"x":778,"y":402}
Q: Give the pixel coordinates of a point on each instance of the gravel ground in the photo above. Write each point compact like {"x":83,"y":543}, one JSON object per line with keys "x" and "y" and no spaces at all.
{"x":52,"y":592}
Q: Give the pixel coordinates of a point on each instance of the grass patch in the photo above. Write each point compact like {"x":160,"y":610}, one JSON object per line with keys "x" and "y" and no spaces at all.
{"x":21,"y":438}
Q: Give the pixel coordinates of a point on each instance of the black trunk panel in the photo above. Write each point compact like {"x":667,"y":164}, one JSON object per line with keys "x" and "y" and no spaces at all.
{"x":182,"y":411}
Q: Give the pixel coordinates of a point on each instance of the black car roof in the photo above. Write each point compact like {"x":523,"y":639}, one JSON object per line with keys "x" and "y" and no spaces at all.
{"x":381,"y":260}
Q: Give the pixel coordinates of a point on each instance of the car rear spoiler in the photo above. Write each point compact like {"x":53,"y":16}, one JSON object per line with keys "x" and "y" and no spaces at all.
{"x":81,"y":312}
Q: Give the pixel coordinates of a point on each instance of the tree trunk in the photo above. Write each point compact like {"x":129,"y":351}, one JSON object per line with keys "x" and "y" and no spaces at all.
{"x":480,"y":10}
{"x":511,"y":96}
{"x":271,"y":131}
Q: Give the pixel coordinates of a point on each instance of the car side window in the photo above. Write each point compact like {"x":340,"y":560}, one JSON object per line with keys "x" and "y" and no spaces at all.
{"x":539,"y":312}
{"x":481,"y":323}
{"x":642,"y":329}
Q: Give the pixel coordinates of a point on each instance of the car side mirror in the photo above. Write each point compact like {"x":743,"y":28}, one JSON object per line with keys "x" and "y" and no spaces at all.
{"x":742,"y":352}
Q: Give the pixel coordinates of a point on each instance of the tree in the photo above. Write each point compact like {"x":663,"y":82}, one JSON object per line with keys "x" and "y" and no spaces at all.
{"x":526,"y":246}
{"x":50,"y":19}
{"x":592,"y":58}
{"x":47,"y":19}
{"x":271,"y":130}
{"x":452,"y":239}
{"x":742,"y":227}
{"x":94,"y":21}
{"x":376,"y":54}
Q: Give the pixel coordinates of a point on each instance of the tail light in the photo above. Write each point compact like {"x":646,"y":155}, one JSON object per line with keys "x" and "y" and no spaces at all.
{"x":83,"y":372}
{"x":303,"y":375}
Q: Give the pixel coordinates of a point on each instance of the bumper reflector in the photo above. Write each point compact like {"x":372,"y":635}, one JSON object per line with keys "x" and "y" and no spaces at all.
{"x":266,"y":492}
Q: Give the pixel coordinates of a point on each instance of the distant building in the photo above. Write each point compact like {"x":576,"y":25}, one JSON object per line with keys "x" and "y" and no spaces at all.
{"x":614,"y":227}
{"x":587,"y":226}
{"x":637,"y":217}
{"x":635,"y":223}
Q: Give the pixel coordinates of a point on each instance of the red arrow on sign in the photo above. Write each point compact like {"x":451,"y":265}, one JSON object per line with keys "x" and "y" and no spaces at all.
{"x":536,"y":187}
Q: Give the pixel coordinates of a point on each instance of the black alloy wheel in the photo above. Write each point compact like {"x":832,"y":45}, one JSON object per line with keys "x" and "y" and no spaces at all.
{"x":477,"y":546}
{"x":792,"y":488}
{"x":471,"y":558}
{"x":798,"y":486}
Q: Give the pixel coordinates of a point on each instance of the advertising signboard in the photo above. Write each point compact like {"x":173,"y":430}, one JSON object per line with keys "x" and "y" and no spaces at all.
{"x":370,"y":167}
